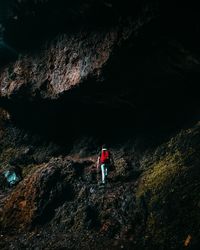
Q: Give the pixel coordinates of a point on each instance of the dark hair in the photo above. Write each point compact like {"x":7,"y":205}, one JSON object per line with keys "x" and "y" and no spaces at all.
{"x":104,"y":146}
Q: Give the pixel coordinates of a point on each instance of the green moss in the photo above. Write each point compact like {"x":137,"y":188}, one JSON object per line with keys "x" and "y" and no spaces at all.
{"x":170,"y":192}
{"x":161,"y":172}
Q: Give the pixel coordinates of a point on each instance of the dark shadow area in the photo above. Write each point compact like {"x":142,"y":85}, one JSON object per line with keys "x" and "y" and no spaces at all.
{"x":33,"y":22}
{"x":92,"y":218}
{"x":48,"y":213}
{"x":6,"y":56}
{"x":155,"y":111}
{"x":79,"y":169}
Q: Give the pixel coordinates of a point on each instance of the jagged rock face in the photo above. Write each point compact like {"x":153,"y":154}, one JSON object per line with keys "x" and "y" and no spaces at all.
{"x":48,"y":18}
{"x":38,"y":193}
{"x":30,"y":23}
{"x":68,"y":62}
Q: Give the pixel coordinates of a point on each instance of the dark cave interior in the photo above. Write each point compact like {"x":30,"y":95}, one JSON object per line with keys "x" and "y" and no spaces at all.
{"x":150,"y":93}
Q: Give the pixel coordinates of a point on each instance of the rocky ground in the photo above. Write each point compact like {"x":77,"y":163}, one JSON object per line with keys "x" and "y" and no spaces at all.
{"x":151,"y":200}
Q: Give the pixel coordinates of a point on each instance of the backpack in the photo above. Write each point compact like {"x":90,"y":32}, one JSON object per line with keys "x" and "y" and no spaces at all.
{"x":105,"y":156}
{"x":11,"y":177}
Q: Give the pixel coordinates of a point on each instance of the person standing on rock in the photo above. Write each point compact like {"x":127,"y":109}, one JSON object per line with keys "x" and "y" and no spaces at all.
{"x":104,"y":161}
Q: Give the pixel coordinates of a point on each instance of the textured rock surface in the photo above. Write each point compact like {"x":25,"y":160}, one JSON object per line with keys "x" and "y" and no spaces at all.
{"x":66,"y":63}
{"x":143,"y":205}
{"x":32,"y":197}
{"x":73,"y":58}
{"x":102,"y":72}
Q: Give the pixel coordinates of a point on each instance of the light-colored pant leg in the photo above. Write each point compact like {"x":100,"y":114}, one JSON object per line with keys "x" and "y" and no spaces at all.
{"x":106,"y":169}
{"x":103,"y":172}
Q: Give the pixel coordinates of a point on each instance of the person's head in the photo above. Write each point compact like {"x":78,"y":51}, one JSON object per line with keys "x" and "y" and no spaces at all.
{"x":104,"y":146}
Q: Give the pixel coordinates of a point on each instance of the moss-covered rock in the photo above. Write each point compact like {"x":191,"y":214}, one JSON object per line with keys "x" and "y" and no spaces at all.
{"x":170,"y":193}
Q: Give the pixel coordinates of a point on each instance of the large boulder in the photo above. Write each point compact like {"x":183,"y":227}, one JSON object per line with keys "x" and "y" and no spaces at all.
{"x":38,"y":194}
